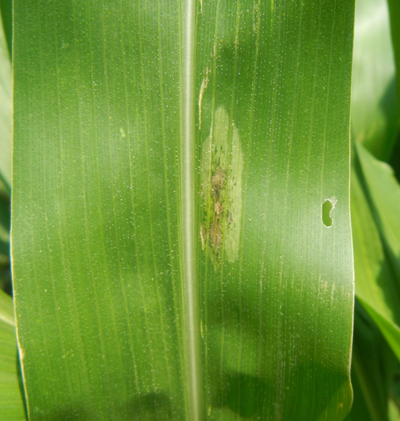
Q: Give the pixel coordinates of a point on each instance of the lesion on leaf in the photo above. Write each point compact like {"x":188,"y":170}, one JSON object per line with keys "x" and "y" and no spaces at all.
{"x":221,"y":168}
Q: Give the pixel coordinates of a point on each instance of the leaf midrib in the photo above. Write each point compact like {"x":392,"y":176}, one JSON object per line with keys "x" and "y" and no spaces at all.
{"x":187,"y":210}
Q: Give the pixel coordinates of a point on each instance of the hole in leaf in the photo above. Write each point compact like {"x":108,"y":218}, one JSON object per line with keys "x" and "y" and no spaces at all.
{"x":327,"y":207}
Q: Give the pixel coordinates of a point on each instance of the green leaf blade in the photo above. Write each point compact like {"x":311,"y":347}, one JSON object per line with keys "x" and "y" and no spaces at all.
{"x":110,"y":257}
{"x":263,"y":309}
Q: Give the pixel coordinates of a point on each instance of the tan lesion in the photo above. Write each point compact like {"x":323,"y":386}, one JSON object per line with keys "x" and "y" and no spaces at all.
{"x":215,"y":234}
{"x":212,"y":232}
{"x":217,"y":186}
{"x":218,"y":183}
{"x":220,"y":174}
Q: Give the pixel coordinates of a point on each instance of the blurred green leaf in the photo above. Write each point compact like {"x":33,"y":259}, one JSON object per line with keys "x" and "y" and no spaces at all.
{"x":5,"y":110}
{"x":375,"y":283}
{"x":394,"y":411}
{"x":384,"y":192}
{"x":4,"y":223}
{"x":394,"y":13}
{"x":6,"y":15}
{"x":5,"y":160}
{"x":373,"y":203}
{"x":11,"y":402}
{"x":390,"y":330}
{"x":374,"y":111}
{"x":140,"y":193}
{"x":373,"y":368}
{"x":394,"y":402}
{"x":394,"y":161}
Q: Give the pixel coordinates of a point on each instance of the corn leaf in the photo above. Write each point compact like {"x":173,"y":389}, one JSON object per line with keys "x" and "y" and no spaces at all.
{"x":181,"y":235}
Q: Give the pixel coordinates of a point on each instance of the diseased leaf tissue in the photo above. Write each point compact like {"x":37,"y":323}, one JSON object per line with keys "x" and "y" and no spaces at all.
{"x":221,"y":168}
